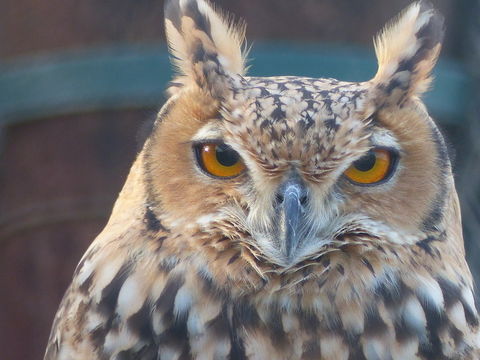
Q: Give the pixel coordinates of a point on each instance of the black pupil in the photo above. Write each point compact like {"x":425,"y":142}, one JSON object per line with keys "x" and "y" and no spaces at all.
{"x":226,"y":156}
{"x":366,"y":162}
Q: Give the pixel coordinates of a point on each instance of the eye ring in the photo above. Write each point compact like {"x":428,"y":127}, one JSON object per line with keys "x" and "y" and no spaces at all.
{"x":374,"y":168}
{"x":218,"y":160}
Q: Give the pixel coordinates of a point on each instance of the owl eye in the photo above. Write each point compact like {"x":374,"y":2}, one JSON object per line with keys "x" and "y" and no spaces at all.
{"x":377,"y":165}
{"x":219,"y":160}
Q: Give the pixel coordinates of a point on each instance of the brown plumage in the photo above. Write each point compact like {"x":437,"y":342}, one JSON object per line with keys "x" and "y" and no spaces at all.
{"x":325,"y":225}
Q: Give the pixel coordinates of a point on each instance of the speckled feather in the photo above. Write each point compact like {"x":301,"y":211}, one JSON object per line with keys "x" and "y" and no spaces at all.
{"x":189,"y":266}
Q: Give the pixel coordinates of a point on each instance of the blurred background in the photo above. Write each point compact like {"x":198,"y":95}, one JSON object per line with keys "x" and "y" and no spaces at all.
{"x":79,"y":80}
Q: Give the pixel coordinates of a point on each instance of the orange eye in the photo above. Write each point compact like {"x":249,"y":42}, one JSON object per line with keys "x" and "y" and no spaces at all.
{"x":375,"y":166}
{"x":219,"y":160}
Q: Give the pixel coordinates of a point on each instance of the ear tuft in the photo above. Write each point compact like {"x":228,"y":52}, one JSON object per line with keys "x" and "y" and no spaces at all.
{"x":407,"y":51}
{"x":205,"y":45}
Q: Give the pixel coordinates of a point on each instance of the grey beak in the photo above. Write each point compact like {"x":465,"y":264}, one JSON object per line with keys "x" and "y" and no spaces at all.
{"x":291,"y":200}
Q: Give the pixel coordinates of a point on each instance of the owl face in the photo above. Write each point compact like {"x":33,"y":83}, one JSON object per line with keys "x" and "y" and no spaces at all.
{"x":291,"y":168}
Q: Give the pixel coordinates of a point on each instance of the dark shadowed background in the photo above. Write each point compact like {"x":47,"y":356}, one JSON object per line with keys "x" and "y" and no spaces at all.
{"x":78,"y":78}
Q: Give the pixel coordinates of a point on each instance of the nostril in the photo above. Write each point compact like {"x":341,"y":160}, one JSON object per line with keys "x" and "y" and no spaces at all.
{"x":292,"y":192}
{"x":303,"y":200}
{"x":279,"y":198}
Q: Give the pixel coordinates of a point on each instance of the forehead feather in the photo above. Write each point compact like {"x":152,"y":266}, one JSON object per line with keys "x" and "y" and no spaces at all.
{"x":297,"y":99}
{"x":283,"y":120}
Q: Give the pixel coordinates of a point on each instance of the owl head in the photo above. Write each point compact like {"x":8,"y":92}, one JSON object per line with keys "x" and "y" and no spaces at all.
{"x":282,"y":171}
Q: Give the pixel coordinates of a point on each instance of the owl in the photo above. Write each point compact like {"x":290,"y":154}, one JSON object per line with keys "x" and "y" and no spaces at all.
{"x":281,"y":217}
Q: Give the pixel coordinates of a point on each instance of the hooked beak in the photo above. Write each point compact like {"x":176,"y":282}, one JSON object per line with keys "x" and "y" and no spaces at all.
{"x":291,"y":201}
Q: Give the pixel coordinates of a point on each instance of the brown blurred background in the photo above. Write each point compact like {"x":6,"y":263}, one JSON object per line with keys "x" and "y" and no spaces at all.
{"x":62,"y":162}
